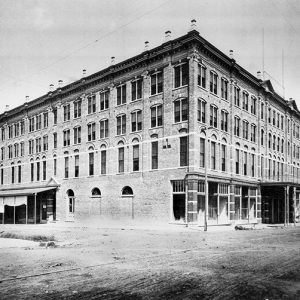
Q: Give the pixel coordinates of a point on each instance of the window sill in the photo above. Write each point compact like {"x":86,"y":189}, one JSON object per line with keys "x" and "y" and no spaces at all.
{"x":179,"y":87}
{"x":122,"y":104}
{"x":137,"y":131}
{"x":157,"y":127}
{"x":126,"y":196}
{"x":226,"y":100}
{"x":180,"y":122}
{"x":122,"y":134}
{"x":104,"y":109}
{"x":215,"y":95}
{"x":154,"y":95}
{"x":202,"y":88}
{"x":136,"y":100}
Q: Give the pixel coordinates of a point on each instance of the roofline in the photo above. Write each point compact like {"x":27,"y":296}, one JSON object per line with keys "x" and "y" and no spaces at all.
{"x":111,"y":71}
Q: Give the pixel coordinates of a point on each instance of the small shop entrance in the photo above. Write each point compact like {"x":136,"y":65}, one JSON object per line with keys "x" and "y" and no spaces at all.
{"x":178,"y":201}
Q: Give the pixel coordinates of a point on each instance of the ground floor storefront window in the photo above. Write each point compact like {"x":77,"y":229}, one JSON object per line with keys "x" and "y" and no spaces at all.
{"x":179,"y":200}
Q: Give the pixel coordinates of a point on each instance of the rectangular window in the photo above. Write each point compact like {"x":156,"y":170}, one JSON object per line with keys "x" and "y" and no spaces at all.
{"x":213,"y":84}
{"x":253,"y":106}
{"x":10,"y":151}
{"x":282,"y":122}
{"x":44,"y":170}
{"x":91,"y":163}
{"x":136,"y":89}
{"x":91,"y":104}
{"x":22,"y":127}
{"x":181,"y":74}
{"x":183,"y":151}
{"x":67,"y":112}
{"x":2,"y":153}
{"x":38,"y":122}
{"x":278,"y":120}
{"x":236,"y":126}
{"x":3,"y":134}
{"x":45,"y":143}
{"x":77,"y":135}
{"x":202,"y":152}
{"x":223,"y":158}
{"x":32,"y":171}
{"x":121,"y":124}
{"x":12,"y":174}
{"x":245,"y":129}
{"x":237,"y":161}
{"x":236,"y":92}
{"x":16,"y":127}
{"x":104,"y":100}
{"x":103,"y":129}
{"x":224,"y":88}
{"x":156,"y":83}
{"x":262,"y":111}
{"x":252,"y":165}
{"x":46,"y":121}
{"x":31,"y":147}
{"x":245,"y":162}
{"x":66,"y":167}
{"x":136,"y":121}
{"x":77,"y":109}
{"x":38,"y":171}
{"x":274,"y":117}
{"x":54,"y":166}
{"x":54,"y":140}
{"x":213,"y":155}
{"x":136,"y":158}
{"x":121,"y":94}
{"x":245,"y":101}
{"x":262,"y":137}
{"x":180,"y":110}
{"x":31,"y":124}
{"x":19,"y":174}
{"x":55,"y":116}
{"x":76,"y":166}
{"x":156,"y":116}
{"x":253,"y":133}
{"x":224,"y":120}
{"x":91,"y":132}
{"x":202,"y":76}
{"x":201,"y":110}
{"x":38,"y":145}
{"x":66,"y":138}
{"x":2,"y":176}
{"x":121,"y":160}
{"x":154,"y":155}
{"x":16,"y":146}
{"x":103,"y":162}
{"x":213,"y":121}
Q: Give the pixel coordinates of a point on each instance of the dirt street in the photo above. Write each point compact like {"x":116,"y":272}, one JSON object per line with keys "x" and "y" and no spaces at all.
{"x":139,"y":262}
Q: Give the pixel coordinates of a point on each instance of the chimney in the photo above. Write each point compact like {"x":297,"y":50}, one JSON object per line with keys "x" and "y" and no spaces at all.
{"x":259,"y":75}
{"x":60,"y":83}
{"x":6,"y":107}
{"x":193,"y":25}
{"x":167,"y":36}
{"x":146,"y":46}
{"x":26,"y":98}
{"x":231,"y":54}
{"x":112,"y":62}
{"x":51,"y":87}
{"x":83,"y":72}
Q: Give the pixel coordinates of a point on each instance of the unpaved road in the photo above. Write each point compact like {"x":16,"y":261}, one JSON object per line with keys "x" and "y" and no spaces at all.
{"x":143,"y":263}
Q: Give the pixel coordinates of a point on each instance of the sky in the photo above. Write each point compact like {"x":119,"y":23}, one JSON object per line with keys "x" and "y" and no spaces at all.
{"x":43,"y":41}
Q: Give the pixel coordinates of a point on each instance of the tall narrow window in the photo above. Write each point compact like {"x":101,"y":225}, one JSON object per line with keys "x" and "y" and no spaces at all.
{"x":66,"y":167}
{"x":91,"y":104}
{"x":12,"y":174}
{"x":154,"y":155}
{"x":38,"y":145}
{"x":136,"y":89}
{"x":45,"y":143}
{"x":45,"y":117}
{"x":66,"y":134}
{"x":201,"y":110}
{"x":31,"y":125}
{"x":104,"y":100}
{"x":236,"y":95}
{"x":44,"y":169}
{"x":202,"y":152}
{"x":180,"y":110}
{"x":245,"y":129}
{"x":224,"y":88}
{"x":213,"y":121}
{"x":54,"y":166}
{"x":136,"y":121}
{"x":224,"y":120}
{"x":136,"y":158}
{"x":91,"y":163}
{"x":245,"y":162}
{"x":262,"y":110}
{"x":245,"y":100}
{"x":121,"y":94}
{"x":77,"y":135}
{"x":22,"y":145}
{"x":2,"y":153}
{"x":253,"y":106}
{"x":121,"y":124}
{"x":67,"y":112}
{"x":103,"y":129}
{"x":223,"y":157}
{"x":262,"y":137}
{"x":156,"y":116}
{"x":3,"y":134}
{"x":38,"y":123}
{"x":237,"y":161}
{"x":2,"y":176}
{"x":91,"y":132}
{"x":77,"y":109}
{"x":183,"y":151}
{"x":19,"y":173}
{"x":181,"y":74}
{"x":38,"y":170}
{"x":253,"y":133}
{"x":252,"y":164}
{"x":213,"y":155}
{"x":202,"y":76}
{"x":103,"y":161}
{"x":213,"y":84}
{"x":282,"y":122}
{"x":54,"y":140}
{"x":156,"y":83}
{"x":54,"y":116}
{"x":237,"y":126}
{"x":32,"y":171}
{"x":121,"y":160}
{"x":76,"y":165}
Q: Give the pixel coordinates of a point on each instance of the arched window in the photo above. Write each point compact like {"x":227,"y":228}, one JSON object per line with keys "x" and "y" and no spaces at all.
{"x":127,"y":191}
{"x":91,"y":161}
{"x":71,"y":202}
{"x":96,"y":192}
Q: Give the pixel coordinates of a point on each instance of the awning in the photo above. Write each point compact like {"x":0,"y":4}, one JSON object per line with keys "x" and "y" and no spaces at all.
{"x":24,"y":192}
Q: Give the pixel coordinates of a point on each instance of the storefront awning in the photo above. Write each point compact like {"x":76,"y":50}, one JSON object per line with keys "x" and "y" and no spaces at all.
{"x":24,"y":192}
